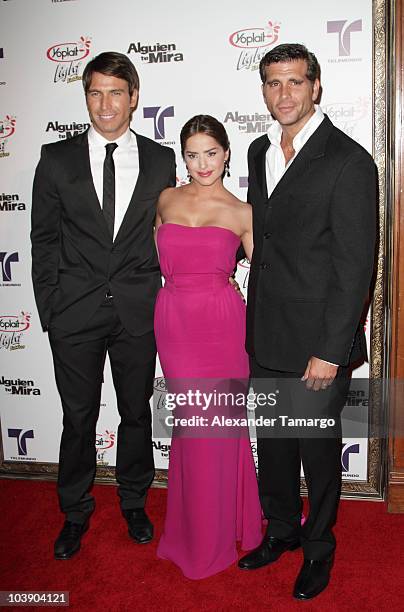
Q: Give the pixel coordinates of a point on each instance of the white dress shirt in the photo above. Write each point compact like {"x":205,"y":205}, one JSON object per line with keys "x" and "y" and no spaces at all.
{"x":126,"y":160}
{"x":275,"y":158}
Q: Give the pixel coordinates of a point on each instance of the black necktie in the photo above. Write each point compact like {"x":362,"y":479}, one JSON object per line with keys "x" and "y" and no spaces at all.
{"x":108,"y":195}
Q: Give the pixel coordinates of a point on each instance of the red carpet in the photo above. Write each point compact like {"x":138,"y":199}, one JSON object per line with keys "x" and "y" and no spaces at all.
{"x":112,"y":573}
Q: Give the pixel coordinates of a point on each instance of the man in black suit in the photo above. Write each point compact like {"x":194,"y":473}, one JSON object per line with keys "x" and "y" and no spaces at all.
{"x":96,"y":275}
{"x":313,"y":192}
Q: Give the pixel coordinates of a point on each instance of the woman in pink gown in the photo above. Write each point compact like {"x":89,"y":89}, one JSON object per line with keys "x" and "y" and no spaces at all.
{"x":200,"y":331}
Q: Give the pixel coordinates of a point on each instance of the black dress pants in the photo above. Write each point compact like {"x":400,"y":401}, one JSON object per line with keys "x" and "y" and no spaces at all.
{"x":79,"y":359}
{"x":280,"y":454}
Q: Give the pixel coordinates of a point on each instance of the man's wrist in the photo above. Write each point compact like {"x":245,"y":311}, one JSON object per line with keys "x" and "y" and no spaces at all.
{"x":329,"y":362}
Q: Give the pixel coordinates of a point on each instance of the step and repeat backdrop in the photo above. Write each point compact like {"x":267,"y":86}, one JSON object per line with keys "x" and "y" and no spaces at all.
{"x":191,"y":59}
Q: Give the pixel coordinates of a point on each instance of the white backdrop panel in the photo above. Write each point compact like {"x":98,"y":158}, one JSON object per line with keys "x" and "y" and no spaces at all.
{"x":215,"y":49}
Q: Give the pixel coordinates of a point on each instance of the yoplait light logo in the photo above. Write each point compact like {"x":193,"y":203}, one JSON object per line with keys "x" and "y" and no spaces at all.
{"x":105,"y":440}
{"x":347,"y":115}
{"x":12,"y":329}
{"x":181,"y":181}
{"x":68,"y":56}
{"x":253,"y":43}
{"x":7,"y":129}
{"x":65,"y":52}
{"x":11,"y":323}
{"x":243,"y":272}
{"x":255,"y":37}
{"x":103,"y":443}
{"x":7,"y":126}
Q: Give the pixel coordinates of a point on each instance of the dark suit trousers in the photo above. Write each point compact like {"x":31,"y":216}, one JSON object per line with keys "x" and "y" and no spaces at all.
{"x":280,"y":455}
{"x":79,"y":359}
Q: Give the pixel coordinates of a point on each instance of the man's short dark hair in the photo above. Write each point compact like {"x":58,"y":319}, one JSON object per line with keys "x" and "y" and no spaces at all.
{"x":289,"y":53}
{"x":114,"y":64}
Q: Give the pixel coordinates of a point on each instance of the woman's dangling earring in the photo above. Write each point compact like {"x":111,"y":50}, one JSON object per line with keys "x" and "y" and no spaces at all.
{"x":227,"y":167}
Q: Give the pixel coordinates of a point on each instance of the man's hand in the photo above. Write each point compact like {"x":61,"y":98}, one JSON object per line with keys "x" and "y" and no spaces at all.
{"x":236,"y":287}
{"x":319,"y":374}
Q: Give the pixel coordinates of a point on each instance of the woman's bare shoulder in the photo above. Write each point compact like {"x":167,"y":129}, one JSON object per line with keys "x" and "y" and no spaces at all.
{"x":244,"y":213}
{"x":167,"y":194}
{"x":241,"y":207}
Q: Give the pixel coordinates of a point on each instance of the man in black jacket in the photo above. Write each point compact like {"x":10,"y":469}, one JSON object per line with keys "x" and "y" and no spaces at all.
{"x":313,"y":192}
{"x":96,"y":275}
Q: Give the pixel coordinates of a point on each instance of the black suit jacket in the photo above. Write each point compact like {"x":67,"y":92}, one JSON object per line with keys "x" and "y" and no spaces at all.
{"x":74,"y":260}
{"x":314,"y":241}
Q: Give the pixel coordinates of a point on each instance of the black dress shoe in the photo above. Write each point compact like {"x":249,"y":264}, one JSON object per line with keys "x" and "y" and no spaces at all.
{"x":268,"y":551}
{"x":313,"y":578}
{"x":139,"y":526}
{"x":69,"y":539}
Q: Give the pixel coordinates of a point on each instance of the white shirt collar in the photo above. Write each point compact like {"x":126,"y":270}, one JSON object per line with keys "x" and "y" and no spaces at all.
{"x":275,"y":130}
{"x":96,"y":140}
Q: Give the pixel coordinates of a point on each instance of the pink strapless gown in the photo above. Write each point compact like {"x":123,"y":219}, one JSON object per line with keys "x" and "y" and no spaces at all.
{"x":200,"y":331}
